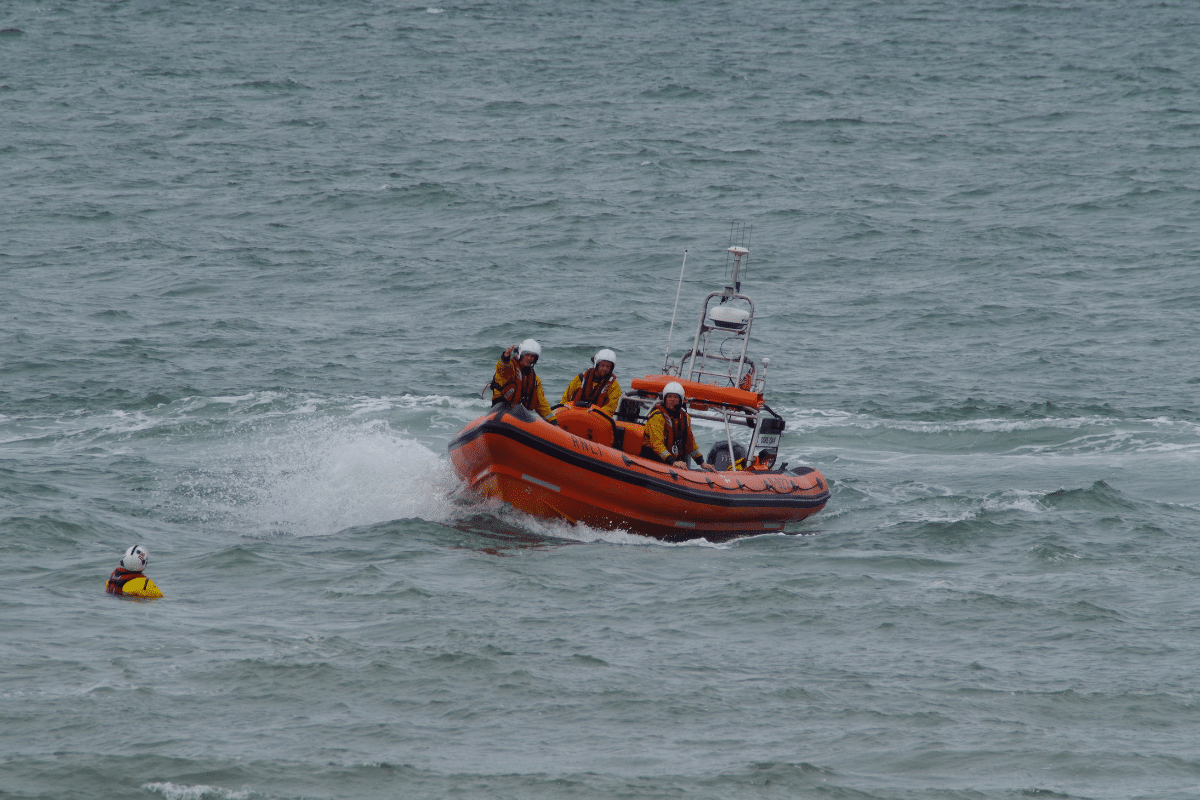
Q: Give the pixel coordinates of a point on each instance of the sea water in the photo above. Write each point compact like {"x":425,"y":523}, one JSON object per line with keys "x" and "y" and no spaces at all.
{"x":258,"y":260}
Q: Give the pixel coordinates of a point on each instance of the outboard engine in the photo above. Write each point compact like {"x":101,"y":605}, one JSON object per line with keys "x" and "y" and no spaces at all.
{"x":718,"y":455}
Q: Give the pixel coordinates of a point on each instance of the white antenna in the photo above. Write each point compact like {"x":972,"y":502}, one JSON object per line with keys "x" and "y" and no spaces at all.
{"x":667,"y":355}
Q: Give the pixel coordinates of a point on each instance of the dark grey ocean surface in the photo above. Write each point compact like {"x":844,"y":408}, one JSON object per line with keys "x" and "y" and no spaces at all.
{"x":257,"y":259}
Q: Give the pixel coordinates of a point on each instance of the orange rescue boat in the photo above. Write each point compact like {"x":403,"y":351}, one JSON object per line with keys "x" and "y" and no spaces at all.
{"x":589,"y":468}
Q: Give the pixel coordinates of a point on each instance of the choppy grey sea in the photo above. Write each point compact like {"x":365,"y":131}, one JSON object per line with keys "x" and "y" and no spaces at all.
{"x":258,"y":258}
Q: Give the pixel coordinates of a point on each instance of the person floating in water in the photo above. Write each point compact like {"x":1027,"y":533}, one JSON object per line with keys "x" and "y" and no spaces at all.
{"x":127,"y":579}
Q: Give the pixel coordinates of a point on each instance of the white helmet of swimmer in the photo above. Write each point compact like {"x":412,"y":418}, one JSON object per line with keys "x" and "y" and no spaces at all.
{"x":529,"y":346}
{"x":605,"y":355}
{"x":673,"y":388}
{"x":135,"y":558}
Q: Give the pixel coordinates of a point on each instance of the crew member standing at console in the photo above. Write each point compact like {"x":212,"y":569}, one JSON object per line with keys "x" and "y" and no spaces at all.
{"x":667,"y":436}
{"x":516,"y":382}
{"x":596,"y":386}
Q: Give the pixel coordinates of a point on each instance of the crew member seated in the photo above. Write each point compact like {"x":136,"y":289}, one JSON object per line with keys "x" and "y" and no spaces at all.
{"x":597,"y":385}
{"x":667,"y":436}
{"x":516,"y":382}
{"x":127,"y":579}
{"x":763,"y":462}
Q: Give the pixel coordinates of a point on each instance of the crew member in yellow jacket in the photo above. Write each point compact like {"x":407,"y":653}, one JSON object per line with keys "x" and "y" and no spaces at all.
{"x":127,"y":579}
{"x":516,"y":382}
{"x":597,"y":385}
{"x":667,"y":436}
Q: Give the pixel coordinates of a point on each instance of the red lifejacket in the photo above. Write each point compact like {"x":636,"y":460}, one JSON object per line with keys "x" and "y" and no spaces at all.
{"x":594,"y":394}
{"x":748,"y":378}
{"x":675,"y":432}
{"x":118,"y":579}
{"x":521,"y":389}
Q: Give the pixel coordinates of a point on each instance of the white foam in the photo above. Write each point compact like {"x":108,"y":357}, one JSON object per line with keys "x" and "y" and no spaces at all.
{"x":1016,"y":500}
{"x":437,"y":401}
{"x":239,"y":398}
{"x":579,"y":532}
{"x":318,"y":476}
{"x":175,"y":791}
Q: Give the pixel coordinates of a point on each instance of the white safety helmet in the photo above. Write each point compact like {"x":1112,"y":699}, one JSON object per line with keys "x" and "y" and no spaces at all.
{"x":135,"y":558}
{"x":606,"y":355}
{"x":529,"y":346}
{"x":674,"y":388}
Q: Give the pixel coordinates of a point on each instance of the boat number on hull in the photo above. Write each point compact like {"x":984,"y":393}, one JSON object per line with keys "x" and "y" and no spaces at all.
{"x":768,"y":440}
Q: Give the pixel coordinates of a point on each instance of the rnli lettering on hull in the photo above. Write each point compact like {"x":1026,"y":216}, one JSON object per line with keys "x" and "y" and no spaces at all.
{"x":770,"y":496}
{"x":584,"y":446}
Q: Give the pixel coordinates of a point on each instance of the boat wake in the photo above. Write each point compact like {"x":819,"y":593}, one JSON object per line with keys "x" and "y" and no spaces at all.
{"x":316,"y":476}
{"x":497,"y":521}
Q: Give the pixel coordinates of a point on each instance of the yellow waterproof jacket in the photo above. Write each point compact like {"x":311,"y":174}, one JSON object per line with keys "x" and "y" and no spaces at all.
{"x":605,"y":393}
{"x":513,"y":385}
{"x":670,"y":439}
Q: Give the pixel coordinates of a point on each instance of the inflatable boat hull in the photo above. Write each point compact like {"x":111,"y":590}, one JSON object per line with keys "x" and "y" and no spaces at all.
{"x":512,"y":455}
